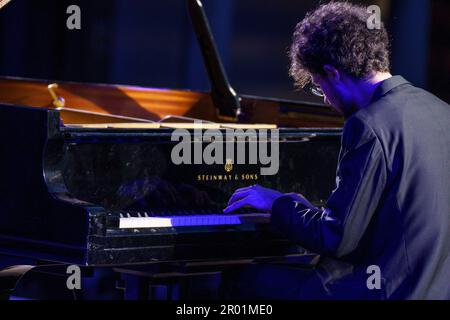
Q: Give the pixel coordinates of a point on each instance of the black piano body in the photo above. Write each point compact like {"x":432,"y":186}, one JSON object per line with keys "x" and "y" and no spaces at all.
{"x":64,"y":192}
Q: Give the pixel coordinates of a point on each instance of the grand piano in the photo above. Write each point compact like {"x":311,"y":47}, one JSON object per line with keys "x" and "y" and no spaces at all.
{"x":87,"y":176}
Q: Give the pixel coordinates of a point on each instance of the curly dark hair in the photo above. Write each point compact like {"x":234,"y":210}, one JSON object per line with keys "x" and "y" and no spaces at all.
{"x":336,"y":33}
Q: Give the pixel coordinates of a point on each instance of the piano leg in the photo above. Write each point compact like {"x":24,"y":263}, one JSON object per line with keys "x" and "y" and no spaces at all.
{"x":9,"y":278}
{"x":148,"y":283}
{"x":138,"y":287}
{"x":50,"y":282}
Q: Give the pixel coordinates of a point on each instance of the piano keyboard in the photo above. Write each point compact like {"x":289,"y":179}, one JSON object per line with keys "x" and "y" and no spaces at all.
{"x":144,"y":220}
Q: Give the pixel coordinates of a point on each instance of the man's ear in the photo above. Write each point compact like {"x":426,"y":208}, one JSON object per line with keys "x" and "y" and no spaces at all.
{"x":332,"y":73}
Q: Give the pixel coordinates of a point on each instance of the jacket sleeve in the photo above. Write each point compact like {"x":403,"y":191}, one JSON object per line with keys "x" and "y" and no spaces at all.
{"x":361,"y":177}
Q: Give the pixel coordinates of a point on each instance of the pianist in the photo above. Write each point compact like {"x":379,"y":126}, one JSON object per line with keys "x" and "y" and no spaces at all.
{"x":390,"y":210}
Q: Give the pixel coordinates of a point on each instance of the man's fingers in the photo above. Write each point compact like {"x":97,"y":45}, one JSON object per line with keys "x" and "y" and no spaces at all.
{"x":244,"y":189}
{"x":238,"y":204}
{"x":238,"y":195}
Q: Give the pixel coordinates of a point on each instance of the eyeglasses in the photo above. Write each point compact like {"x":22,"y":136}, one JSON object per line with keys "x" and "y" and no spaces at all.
{"x":314,"y":89}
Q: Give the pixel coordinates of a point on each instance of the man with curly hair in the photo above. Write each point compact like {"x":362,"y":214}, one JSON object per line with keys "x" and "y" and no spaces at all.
{"x":385,"y":231}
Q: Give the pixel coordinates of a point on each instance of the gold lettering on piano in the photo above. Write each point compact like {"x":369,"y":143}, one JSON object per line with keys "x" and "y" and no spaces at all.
{"x":228,"y":177}
{"x":229,"y":165}
{"x":249,"y":177}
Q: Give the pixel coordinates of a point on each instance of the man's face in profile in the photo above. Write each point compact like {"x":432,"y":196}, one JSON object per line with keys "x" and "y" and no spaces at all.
{"x":336,"y":93}
{"x":328,"y":90}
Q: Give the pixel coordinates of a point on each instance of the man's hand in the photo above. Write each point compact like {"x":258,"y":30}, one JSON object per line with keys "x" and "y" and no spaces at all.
{"x":300,"y":198}
{"x":255,"y":196}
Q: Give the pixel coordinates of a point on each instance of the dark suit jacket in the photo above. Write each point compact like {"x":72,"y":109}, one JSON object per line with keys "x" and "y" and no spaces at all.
{"x":391,"y":205}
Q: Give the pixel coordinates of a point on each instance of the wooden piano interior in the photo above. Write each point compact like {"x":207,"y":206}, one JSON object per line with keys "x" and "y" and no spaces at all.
{"x":103,"y":106}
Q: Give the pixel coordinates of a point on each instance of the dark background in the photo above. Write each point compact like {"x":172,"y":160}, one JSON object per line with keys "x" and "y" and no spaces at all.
{"x":151,"y":43}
